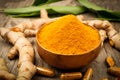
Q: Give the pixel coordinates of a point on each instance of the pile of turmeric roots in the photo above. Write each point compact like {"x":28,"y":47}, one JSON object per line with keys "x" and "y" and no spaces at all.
{"x":16,"y":35}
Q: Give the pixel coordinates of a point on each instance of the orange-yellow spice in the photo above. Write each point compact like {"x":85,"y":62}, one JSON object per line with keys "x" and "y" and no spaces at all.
{"x":68,"y":35}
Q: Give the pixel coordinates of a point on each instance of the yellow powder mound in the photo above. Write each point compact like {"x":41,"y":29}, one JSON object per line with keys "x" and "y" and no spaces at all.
{"x":68,"y":35}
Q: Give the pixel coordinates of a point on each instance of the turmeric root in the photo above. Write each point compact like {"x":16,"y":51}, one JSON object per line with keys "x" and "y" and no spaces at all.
{"x":4,"y":73}
{"x":30,"y":32}
{"x":102,"y":35}
{"x":43,"y":14}
{"x":12,"y":53}
{"x":31,"y":25}
{"x":113,"y":35}
{"x":26,"y":53}
{"x":16,"y":36}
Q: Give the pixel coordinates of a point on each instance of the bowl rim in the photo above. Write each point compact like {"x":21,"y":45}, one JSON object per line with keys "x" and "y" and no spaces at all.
{"x":87,"y":52}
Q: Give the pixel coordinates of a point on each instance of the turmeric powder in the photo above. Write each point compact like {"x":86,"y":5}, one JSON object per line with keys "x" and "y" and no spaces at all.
{"x":68,"y":35}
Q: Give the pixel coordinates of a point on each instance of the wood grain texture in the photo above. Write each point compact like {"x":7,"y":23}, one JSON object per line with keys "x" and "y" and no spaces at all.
{"x":98,"y":65}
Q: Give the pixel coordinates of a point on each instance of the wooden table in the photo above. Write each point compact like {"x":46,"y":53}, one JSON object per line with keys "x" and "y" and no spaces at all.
{"x":98,"y":65}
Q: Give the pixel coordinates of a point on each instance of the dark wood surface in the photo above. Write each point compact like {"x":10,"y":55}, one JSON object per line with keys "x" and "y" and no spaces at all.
{"x":98,"y":65}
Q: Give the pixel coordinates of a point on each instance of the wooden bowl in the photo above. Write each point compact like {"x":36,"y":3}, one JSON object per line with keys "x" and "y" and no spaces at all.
{"x":64,"y":61}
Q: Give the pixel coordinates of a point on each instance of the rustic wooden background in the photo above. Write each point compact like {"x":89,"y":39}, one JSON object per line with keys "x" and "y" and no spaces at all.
{"x":98,"y":65}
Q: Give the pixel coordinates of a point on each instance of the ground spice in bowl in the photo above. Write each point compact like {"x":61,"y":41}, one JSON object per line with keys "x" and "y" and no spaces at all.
{"x":68,"y":35}
{"x":67,"y":43}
